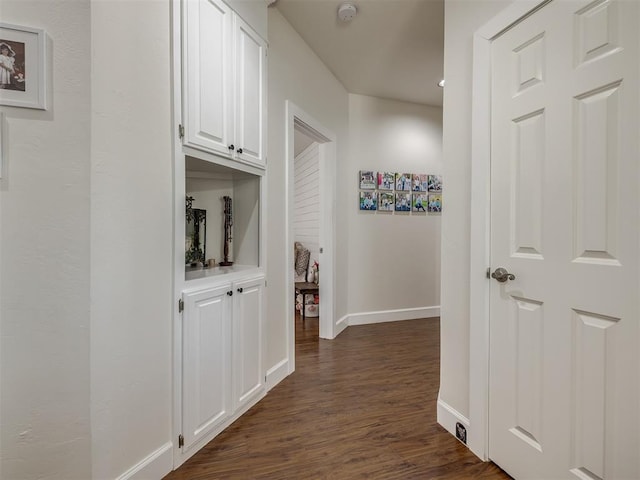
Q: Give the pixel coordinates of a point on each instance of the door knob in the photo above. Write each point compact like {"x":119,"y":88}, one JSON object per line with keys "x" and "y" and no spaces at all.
{"x":240,"y":290}
{"x":239,"y":150}
{"x":231,"y":147}
{"x":502,"y":275}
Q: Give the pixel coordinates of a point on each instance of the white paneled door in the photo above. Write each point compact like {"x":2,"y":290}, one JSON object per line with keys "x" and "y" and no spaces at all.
{"x":248,"y":372}
{"x":564,"y":336}
{"x":206,"y":362}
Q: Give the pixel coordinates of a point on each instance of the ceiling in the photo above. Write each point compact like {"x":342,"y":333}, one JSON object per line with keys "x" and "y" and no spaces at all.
{"x":391,"y":49}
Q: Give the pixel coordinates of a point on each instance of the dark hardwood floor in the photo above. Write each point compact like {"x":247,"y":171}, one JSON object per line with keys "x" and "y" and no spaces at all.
{"x":360,"y":406}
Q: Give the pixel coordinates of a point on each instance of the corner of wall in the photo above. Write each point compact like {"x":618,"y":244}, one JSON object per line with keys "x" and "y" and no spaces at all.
{"x":448,"y":417}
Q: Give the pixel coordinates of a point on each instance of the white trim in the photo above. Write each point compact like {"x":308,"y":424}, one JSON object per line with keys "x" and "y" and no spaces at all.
{"x":449,"y":416}
{"x":367,"y":318}
{"x":478,"y":438}
{"x":178,"y":220}
{"x":156,"y":465}
{"x":3,"y":145}
{"x":277,"y":373}
{"x":295,"y":116}
{"x":342,"y":324}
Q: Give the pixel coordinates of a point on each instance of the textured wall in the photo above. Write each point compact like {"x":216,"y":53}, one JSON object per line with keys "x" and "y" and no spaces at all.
{"x":44,"y":259}
{"x":131,"y":233}
{"x":394,"y":258}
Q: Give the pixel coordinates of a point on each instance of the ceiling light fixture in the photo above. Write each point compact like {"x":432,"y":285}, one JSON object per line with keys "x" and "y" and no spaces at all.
{"x":441,"y":83}
{"x":347,"y":12}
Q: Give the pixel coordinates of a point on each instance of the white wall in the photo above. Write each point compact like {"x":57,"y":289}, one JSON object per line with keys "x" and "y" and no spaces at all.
{"x":296,"y":74}
{"x":131,"y":234}
{"x":44,"y":254}
{"x":394,"y":259}
{"x":462,"y":19}
{"x":306,"y":217}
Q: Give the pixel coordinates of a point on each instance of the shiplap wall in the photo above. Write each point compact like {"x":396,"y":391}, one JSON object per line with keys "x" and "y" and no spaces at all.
{"x":306,"y":221}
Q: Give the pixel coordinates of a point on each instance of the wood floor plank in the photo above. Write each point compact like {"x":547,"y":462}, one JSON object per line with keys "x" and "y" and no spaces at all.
{"x":362,"y":406}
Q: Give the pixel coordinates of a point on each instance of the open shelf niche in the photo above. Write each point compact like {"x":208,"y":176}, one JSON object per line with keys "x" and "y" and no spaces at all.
{"x":207,"y":183}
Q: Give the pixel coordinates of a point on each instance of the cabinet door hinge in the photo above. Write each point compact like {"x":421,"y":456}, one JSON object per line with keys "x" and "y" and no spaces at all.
{"x":180,"y":305}
{"x":180,"y":441}
{"x":180,"y":131}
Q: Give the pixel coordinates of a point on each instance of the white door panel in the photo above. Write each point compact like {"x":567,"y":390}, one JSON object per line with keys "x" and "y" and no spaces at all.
{"x":248,"y":344}
{"x":208,"y":71}
{"x":250,"y":91}
{"x":206,"y":362}
{"x":564,"y":333}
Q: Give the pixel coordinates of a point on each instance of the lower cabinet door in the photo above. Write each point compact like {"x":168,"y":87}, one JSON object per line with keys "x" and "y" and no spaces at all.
{"x":248,"y":372}
{"x":206,"y":362}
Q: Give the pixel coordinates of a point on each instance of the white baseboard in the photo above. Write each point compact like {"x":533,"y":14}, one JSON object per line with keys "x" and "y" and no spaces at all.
{"x":277,"y":373}
{"x":341,"y":325}
{"x":154,"y":466}
{"x":449,"y":416}
{"x":366,"y":318}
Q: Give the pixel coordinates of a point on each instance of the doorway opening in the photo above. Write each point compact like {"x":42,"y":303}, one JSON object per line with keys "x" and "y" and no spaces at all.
{"x":306,"y":236}
{"x":310,"y":210}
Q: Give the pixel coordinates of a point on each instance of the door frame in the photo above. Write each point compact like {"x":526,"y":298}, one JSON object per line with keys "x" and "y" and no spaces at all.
{"x":326,"y":139}
{"x":479,"y":305}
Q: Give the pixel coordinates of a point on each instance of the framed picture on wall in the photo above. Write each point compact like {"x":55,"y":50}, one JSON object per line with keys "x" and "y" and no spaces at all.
{"x":435,"y":203}
{"x":386,"y":202}
{"x":419,"y":182}
{"x":386,"y":180}
{"x":368,"y":201}
{"x":23,"y":67}
{"x":403,"y":182}
{"x":403,"y":202}
{"x":435,"y":183}
{"x":419,"y":202}
{"x":367,"y":180}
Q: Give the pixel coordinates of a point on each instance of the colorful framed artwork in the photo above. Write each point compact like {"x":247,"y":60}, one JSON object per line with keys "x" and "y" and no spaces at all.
{"x":435,"y":183}
{"x":386,"y":180}
{"x":419,"y":182}
{"x":435,"y":203}
{"x":368,"y":201}
{"x":386,"y":203}
{"x":23,"y":67}
{"x":367,"y":180}
{"x":403,"y":182}
{"x":403,"y":202}
{"x":419,"y":202}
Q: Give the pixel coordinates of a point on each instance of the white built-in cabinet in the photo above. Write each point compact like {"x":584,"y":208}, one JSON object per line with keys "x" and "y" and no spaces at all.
{"x":224,"y":80}
{"x":221,"y":356}
{"x":220,"y":107}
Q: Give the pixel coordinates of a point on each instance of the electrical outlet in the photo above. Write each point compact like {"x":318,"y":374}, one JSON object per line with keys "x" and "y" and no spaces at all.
{"x":461,"y":433}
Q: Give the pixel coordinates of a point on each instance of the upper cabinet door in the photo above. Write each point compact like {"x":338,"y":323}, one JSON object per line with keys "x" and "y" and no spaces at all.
{"x":208,"y":75}
{"x":250,"y":82}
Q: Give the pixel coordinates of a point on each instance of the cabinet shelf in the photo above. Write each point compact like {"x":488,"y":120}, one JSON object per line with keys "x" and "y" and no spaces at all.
{"x":206,"y":183}
{"x":218,"y":273}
